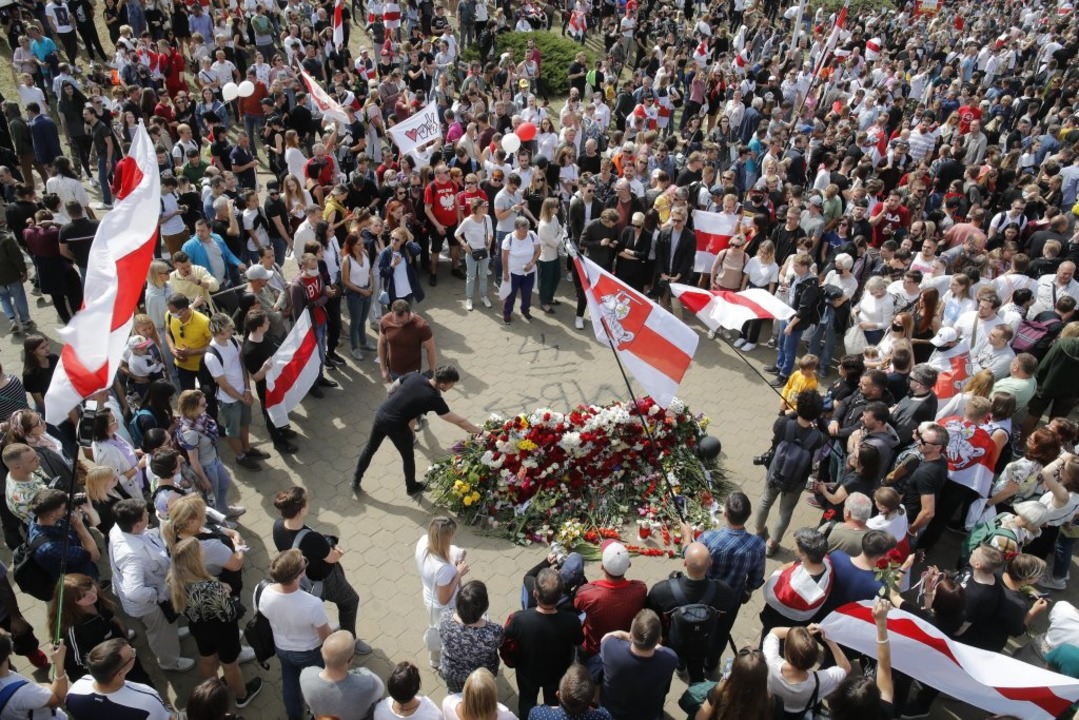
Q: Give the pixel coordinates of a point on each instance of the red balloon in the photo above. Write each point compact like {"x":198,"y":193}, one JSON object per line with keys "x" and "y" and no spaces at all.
{"x":526,"y":131}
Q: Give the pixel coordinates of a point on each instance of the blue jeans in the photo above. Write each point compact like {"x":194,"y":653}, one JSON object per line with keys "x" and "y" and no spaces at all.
{"x":825,"y":332}
{"x":292,"y":664}
{"x":482,"y":269}
{"x":358,"y":309}
{"x":1062,"y":555}
{"x":220,"y":482}
{"x":787,"y":348}
{"x":15,"y":293}
{"x":523,"y":283}
{"x":254,"y":125}
{"x":103,"y":171}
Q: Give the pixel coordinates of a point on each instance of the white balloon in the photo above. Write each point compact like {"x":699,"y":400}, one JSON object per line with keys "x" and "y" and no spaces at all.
{"x":247,"y":88}
{"x":230,"y":91}
{"x":511,"y":143}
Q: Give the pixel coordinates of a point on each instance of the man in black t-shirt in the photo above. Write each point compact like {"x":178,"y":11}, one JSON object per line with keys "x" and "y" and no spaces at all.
{"x":258,"y":349}
{"x":924,"y":485}
{"x":410,"y":396}
{"x":77,"y":236}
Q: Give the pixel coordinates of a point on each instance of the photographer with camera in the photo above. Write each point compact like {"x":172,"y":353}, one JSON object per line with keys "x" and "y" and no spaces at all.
{"x":49,"y":511}
{"x":569,"y":565}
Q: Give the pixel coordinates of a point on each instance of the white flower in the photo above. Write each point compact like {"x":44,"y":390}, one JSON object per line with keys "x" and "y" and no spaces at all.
{"x":496,"y":418}
{"x":488,"y":458}
{"x":676,"y":406}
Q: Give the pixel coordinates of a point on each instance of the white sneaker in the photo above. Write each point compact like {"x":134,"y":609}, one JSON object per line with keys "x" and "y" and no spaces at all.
{"x":183,"y":632}
{"x":711,"y":334}
{"x":357,"y":354}
{"x":486,"y":302}
{"x":247,"y":654}
{"x":578,"y":322}
{"x":468,"y":304}
{"x":182,"y":665}
{"x":748,"y":347}
{"x":739,"y":342}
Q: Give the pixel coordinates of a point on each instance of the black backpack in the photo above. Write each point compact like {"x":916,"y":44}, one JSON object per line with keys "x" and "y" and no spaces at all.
{"x":259,"y":633}
{"x":692,"y":624}
{"x":29,"y":575}
{"x":791,"y":460}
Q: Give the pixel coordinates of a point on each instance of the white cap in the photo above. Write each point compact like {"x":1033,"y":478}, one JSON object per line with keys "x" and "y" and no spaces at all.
{"x":615,"y":558}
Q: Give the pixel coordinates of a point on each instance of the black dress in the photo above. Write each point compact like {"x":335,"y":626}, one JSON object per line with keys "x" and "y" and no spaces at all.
{"x":85,"y":636}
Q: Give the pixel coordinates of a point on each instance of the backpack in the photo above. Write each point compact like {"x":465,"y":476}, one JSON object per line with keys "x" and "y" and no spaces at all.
{"x":692,"y":624}
{"x":133,"y":426}
{"x":791,"y":461}
{"x":810,"y":710}
{"x":206,"y":379}
{"x":29,"y":575}
{"x":259,"y":633}
{"x":1035,"y":337}
{"x":982,"y":534}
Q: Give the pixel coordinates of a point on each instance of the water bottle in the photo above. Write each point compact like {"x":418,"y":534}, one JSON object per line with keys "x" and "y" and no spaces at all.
{"x":727,"y":667}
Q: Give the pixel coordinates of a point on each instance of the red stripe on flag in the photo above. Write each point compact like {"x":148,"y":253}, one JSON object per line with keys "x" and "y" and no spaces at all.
{"x":742,"y":301}
{"x":85,"y":381}
{"x":661,"y":353}
{"x":695,"y":301}
{"x":292,"y":370}
{"x":129,"y":271}
{"x":712,"y":242}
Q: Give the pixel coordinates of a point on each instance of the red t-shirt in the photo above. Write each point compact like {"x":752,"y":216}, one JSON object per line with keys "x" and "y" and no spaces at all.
{"x":465,"y":198}
{"x":442,"y":199}
{"x":892,"y":221}
{"x":312,"y":290}
{"x":967,"y":114}
{"x":608,"y":606}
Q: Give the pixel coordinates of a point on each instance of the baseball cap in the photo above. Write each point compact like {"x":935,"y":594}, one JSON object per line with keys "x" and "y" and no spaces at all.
{"x":944,"y":336}
{"x":615,"y":558}
{"x":136,"y":342}
{"x":523,"y":83}
{"x":717,"y":190}
{"x":258,"y":272}
{"x":572,"y":570}
{"x":816,"y":200}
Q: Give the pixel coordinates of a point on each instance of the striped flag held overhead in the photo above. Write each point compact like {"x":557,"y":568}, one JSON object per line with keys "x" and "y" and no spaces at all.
{"x":294,"y":371}
{"x":714,"y":232}
{"x":730,"y":310}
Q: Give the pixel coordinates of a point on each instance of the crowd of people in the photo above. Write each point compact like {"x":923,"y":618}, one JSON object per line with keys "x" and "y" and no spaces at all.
{"x":906,"y":183}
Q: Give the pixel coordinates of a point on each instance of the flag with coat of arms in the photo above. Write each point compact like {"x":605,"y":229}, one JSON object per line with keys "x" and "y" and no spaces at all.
{"x":971,"y":454}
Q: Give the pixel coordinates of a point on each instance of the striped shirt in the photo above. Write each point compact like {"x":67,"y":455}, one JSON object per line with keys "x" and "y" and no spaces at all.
{"x":737,"y":559}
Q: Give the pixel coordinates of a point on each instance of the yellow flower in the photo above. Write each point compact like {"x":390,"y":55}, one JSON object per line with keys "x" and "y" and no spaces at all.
{"x":474,"y":497}
{"x":465,"y":487}
{"x":526,"y":445}
{"x":468,"y":500}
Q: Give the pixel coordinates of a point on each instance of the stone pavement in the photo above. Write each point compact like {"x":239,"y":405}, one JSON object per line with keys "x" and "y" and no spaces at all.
{"x":503,"y":369}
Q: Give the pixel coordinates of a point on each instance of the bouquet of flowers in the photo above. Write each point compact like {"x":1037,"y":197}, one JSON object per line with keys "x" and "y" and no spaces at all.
{"x":548,"y":475}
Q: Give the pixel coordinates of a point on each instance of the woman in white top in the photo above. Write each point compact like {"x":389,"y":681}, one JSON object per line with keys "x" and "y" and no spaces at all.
{"x":550,"y":238}
{"x":546,"y":139}
{"x":356,"y":276}
{"x":441,"y":566}
{"x":114,"y":451}
{"x":478,"y":700}
{"x":294,"y":160}
{"x":875,"y":310}
{"x":890,"y":517}
{"x":476,"y":234}
{"x":404,"y":701}
{"x":66,"y":185}
{"x":520,"y":253}
{"x":956,"y":301}
{"x":568,"y":172}
{"x":790,"y":679}
{"x":760,"y":272}
{"x":1061,"y":480}
{"x":837,"y":315}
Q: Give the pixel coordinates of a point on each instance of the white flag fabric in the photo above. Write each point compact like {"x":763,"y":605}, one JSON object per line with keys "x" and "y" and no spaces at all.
{"x":731,"y":310}
{"x":714,"y":231}
{"x":991,"y":681}
{"x":417,"y":131}
{"x":95,"y":339}
{"x":338,"y":24}
{"x":653,"y":345}
{"x":330,"y":108}
{"x":294,"y":371}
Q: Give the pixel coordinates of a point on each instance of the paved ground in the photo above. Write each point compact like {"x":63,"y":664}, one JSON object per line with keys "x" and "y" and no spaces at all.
{"x":504,"y":369}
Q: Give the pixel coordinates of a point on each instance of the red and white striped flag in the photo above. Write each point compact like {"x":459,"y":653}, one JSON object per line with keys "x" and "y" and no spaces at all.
{"x":971,"y":454}
{"x":953,"y":369}
{"x":338,"y":24}
{"x":701,"y":54}
{"x":577,"y":24}
{"x":653,"y":345}
{"x":374,"y":10}
{"x":391,"y":15}
{"x":795,"y":594}
{"x":95,"y":339}
{"x":872,"y":49}
{"x":833,"y":38}
{"x":331,"y":109}
{"x":994,"y":682}
{"x":724,"y":309}
{"x":294,"y":371}
{"x":714,"y":232}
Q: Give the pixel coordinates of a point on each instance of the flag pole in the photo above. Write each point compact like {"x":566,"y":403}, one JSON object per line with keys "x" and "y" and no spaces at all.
{"x":579,"y":267}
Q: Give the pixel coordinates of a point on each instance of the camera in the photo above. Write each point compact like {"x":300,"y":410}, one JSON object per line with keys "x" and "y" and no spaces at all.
{"x":85,"y":431}
{"x":764,"y":459}
{"x":559,"y":553}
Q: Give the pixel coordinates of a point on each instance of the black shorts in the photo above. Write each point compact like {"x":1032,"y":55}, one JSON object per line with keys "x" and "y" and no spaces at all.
{"x":217,"y":637}
{"x":439,"y":239}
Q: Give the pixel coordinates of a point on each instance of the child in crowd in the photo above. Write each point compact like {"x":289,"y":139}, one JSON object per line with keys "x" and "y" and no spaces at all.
{"x":804,"y":379}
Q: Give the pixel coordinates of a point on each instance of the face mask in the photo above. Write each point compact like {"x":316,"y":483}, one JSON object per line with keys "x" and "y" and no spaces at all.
{"x":311,"y":273}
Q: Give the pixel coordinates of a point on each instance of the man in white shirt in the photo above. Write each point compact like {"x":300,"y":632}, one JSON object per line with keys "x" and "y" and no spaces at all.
{"x":234,"y":395}
{"x":1051,"y":287}
{"x":996,"y":355}
{"x":106,"y":692}
{"x":224,"y":70}
{"x":974,"y":326}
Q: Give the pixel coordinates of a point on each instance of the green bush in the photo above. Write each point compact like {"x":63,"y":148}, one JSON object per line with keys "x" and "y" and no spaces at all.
{"x":556,"y":55}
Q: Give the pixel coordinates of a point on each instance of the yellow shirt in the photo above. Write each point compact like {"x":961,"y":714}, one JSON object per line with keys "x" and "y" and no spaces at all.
{"x":192,"y":291}
{"x":797,"y":383}
{"x":191,"y":335}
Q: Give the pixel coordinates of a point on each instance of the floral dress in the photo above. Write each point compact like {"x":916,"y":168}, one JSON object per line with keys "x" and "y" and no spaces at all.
{"x":466,"y":648}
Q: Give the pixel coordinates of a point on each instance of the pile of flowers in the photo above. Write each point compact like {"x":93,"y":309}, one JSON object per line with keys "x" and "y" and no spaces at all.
{"x":579,"y":477}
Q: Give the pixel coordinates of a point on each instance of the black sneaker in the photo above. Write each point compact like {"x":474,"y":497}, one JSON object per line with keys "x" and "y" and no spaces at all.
{"x":527,"y":316}
{"x":416,"y":488}
{"x":337,"y":358}
{"x":433,"y":280}
{"x":356,"y":481}
{"x":285,"y":447}
{"x":459,"y":273}
{"x":771,"y":369}
{"x":779,"y":382}
{"x":288,"y":433}
{"x":253,"y":687}
{"x":249,"y":463}
{"x":257,"y":454}
{"x":325,"y":382}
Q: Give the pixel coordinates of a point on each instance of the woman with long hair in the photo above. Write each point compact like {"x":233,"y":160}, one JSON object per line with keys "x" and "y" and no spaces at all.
{"x":980,"y":385}
{"x":1019,"y":480}
{"x":85,"y":618}
{"x":111,"y":449}
{"x":221,"y":556}
{"x":441,"y":566}
{"x":478,"y":700}
{"x":476,"y":234}
{"x":899,"y":329}
{"x":212,"y":616}
{"x":296,"y":197}
{"x":357,"y":277}
{"x":861,"y":473}
{"x":197,"y":434}
{"x":891,"y":516}
{"x":104,"y":490}
{"x":28,"y":427}
{"x":156,"y":410}
{"x":549,"y":233}
{"x":742,"y":695}
{"x":791,"y":678}
{"x":956,"y":301}
{"x":925,"y":324}
{"x":329,"y":266}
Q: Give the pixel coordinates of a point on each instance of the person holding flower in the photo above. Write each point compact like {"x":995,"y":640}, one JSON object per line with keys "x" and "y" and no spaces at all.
{"x":441,"y":566}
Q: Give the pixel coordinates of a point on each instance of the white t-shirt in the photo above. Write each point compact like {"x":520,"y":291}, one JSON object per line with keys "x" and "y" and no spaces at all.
{"x":522,"y":250}
{"x":449,"y":709}
{"x":294,"y":618}
{"x":251,"y":217}
{"x":427,"y":710}
{"x":761,"y":275}
{"x":796,"y":696}
{"x":132,"y":700}
{"x":61,"y":15}
{"x":230,"y":365}
{"x":896,"y":526}
{"x":29,"y":701}
{"x":434,"y":573}
{"x":1063,"y":626}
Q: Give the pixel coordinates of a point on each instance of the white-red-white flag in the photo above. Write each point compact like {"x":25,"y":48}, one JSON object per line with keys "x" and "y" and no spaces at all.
{"x":953,"y":369}
{"x":795,"y":593}
{"x":833,"y":38}
{"x":577,"y":24}
{"x":872,"y":49}
{"x":391,"y":15}
{"x":294,"y":371}
{"x":994,"y":682}
{"x":971,"y":454}
{"x":653,"y":345}
{"x":701,"y":54}
{"x":725,"y":309}
{"x":338,"y":24}
{"x":374,"y":10}
{"x":330,"y":108}
{"x":714,"y":232}
{"x":95,"y":339}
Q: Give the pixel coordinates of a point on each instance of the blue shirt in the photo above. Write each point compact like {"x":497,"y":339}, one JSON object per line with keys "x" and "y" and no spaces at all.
{"x":50,"y":554}
{"x":41,"y":48}
{"x":850,"y":583}
{"x":200,"y":257}
{"x":737,"y":559}
{"x":553,"y":712}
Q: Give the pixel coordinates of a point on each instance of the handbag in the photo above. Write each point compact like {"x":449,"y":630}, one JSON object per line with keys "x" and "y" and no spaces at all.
{"x":481,"y":254}
{"x":854,"y":340}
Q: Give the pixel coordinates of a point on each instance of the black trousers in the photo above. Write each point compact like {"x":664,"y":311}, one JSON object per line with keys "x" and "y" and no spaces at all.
{"x":528,"y":692}
{"x":401,"y":437}
{"x":333,"y":323}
